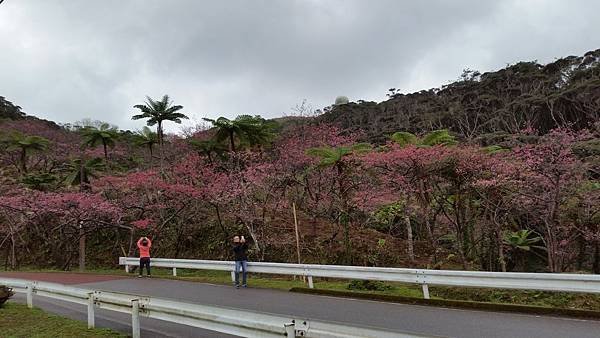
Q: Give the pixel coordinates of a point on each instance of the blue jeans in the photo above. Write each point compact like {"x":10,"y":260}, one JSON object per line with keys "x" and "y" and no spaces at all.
{"x":244,"y":266}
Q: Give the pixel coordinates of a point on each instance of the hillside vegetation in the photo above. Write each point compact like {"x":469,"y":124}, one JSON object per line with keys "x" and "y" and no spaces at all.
{"x":497,"y":171}
{"x":488,"y":106}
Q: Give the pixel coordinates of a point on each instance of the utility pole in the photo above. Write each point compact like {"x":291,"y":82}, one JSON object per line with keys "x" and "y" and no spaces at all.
{"x":297,"y":235}
{"x":81,"y":230}
{"x":81,"y":247}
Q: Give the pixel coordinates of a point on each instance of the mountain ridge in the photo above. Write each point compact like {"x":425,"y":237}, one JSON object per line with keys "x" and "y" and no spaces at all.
{"x":563,"y":93}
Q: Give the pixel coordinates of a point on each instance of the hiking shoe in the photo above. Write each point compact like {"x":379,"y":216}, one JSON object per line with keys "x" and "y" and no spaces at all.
{"x":237,"y":286}
{"x":244,"y":286}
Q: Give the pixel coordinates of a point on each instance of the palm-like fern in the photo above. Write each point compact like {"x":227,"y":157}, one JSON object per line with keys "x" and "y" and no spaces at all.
{"x":40,"y":181}
{"x":146,"y":138}
{"x":81,"y":175}
{"x":494,"y":149}
{"x":105,"y":135}
{"x":523,"y":240}
{"x":523,"y":243}
{"x":25,"y":144}
{"x":333,"y":156}
{"x":208,"y":148}
{"x":157,"y":112}
{"x":251,"y":129}
{"x":436,"y":137}
{"x":404,"y":138}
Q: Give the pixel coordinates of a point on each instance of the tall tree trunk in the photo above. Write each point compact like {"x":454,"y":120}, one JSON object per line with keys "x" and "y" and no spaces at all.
{"x":501,"y":250}
{"x":409,"y":236}
{"x":347,"y":243}
{"x":105,"y":151}
{"x":596,"y":266}
{"x":255,"y":239}
{"x":219,"y":220}
{"x":344,"y":216}
{"x":24,"y":160}
{"x":581,"y":252}
{"x":151,"y":155}
{"x":161,"y":145}
{"x":297,"y":234}
{"x":131,"y":249}
{"x":232,"y":142}
{"x":13,"y":261}
{"x":81,"y":173}
{"x":425,"y":207}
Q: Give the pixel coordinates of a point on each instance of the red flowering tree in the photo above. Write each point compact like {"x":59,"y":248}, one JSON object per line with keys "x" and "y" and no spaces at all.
{"x":55,"y":221}
{"x":552,"y":175}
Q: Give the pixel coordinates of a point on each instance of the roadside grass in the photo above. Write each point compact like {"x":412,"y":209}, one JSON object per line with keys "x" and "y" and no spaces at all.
{"x":562,"y":300}
{"x":16,"y":320}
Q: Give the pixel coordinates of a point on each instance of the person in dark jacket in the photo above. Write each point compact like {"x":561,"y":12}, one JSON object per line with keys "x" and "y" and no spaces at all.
{"x":240,"y":250}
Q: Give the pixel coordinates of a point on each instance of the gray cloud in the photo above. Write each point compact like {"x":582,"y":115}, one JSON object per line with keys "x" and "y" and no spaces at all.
{"x":67,"y":60}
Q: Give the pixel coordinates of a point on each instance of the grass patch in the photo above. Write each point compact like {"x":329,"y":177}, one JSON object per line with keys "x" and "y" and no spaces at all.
{"x":566,"y":300}
{"x":16,"y":320}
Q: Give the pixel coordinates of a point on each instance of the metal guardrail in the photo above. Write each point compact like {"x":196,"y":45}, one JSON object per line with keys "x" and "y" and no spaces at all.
{"x":500,"y":280}
{"x":238,"y":322}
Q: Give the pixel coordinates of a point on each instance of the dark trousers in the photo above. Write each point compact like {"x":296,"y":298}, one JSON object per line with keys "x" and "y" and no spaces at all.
{"x":144,"y":261}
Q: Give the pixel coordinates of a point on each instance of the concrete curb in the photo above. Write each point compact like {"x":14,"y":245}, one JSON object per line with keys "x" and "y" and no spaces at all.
{"x":462,"y":304}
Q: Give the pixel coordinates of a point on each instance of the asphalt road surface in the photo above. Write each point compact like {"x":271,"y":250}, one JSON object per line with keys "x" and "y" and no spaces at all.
{"x":424,"y":320}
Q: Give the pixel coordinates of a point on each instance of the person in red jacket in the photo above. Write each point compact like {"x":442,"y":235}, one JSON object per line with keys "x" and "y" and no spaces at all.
{"x":144,"y":245}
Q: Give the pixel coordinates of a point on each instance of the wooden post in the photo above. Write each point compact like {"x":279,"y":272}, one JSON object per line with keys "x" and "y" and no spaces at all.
{"x":297,"y":236}
{"x":80,"y":223}
{"x":81,"y":247}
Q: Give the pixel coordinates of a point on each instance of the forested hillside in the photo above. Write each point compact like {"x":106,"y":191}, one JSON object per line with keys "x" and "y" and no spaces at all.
{"x":498,"y":171}
{"x":565,"y":93}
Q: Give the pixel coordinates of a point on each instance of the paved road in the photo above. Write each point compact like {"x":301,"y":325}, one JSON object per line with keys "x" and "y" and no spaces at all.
{"x":399,"y":317}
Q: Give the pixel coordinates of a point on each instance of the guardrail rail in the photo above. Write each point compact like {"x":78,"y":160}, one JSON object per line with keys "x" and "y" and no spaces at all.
{"x":238,"y":322}
{"x":565,"y":282}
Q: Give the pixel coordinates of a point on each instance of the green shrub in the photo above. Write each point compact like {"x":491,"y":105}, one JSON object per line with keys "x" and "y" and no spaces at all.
{"x":368,"y":285}
{"x":5,"y":294}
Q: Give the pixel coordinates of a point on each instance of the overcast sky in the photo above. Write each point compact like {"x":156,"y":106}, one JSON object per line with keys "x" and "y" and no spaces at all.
{"x":66,"y":60}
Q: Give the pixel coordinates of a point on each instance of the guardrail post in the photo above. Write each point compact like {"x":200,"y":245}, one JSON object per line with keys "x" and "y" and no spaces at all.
{"x":425,"y":291}
{"x":90,"y":311}
{"x":310,"y":282}
{"x":135,"y":318}
{"x":233,"y":276}
{"x":126,"y":268}
{"x":175,"y":272}
{"x":290,"y":329}
{"x":30,"y":296}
